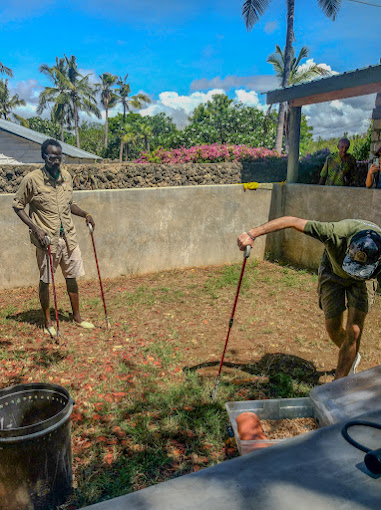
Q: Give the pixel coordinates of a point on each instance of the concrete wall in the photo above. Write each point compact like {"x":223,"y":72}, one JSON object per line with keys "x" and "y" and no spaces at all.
{"x":145,"y":230}
{"x":152,"y":229}
{"x":323,"y":203}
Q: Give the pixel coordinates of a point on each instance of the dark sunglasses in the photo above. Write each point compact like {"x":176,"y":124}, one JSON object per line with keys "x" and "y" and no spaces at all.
{"x":54,"y":157}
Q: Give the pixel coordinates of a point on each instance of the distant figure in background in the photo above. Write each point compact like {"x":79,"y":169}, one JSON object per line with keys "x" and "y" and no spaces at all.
{"x":373,"y":178}
{"x":340,"y":168}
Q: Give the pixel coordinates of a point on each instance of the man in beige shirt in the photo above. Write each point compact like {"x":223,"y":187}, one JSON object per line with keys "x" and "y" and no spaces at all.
{"x":49,"y":193}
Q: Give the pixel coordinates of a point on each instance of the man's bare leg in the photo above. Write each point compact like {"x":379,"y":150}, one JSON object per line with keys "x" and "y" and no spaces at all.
{"x":350,"y":346}
{"x":335,"y":329}
{"x":44,"y":300}
{"x":72,"y":289}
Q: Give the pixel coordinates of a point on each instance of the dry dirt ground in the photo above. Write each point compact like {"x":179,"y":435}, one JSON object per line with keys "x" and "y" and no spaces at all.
{"x":278,"y":324}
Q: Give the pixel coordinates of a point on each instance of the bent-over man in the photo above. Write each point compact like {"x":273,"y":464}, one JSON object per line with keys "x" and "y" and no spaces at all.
{"x":348,"y":275}
{"x":49,"y":193}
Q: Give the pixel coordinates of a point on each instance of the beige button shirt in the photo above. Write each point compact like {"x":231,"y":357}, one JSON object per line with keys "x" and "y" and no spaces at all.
{"x":49,"y":205}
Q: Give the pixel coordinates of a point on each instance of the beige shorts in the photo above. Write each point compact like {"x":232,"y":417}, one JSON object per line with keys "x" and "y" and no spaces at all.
{"x":71,"y":262}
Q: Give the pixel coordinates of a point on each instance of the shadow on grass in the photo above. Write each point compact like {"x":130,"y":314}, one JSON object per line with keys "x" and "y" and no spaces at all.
{"x":34,"y":317}
{"x":273,"y":366}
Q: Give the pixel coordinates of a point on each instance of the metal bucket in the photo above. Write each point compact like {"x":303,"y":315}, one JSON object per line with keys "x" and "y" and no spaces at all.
{"x":35,"y":446}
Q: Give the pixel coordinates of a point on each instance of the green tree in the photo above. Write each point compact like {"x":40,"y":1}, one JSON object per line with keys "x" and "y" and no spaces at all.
{"x":82,"y":94}
{"x":91,"y":137}
{"x":252,"y":10}
{"x":108,"y":97}
{"x":57,"y":97}
{"x":45,"y":126}
{"x":9,"y":102}
{"x":133,"y":102}
{"x":6,"y":70}
{"x":128,"y":136}
{"x":298,"y":74}
{"x":145,"y":131}
{"x":221,"y":120}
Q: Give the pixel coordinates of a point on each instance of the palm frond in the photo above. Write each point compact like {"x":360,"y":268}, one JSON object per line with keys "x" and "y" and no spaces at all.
{"x":252,"y":10}
{"x":330,"y":7}
{"x":6,"y":70}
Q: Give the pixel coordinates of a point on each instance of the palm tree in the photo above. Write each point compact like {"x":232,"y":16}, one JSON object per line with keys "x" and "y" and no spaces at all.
{"x":82,"y":94}
{"x":127,"y":136}
{"x":62,"y":111}
{"x":6,"y":70}
{"x":108,"y":97}
{"x":9,"y":102}
{"x":298,"y":74}
{"x":136,"y":101}
{"x":145,"y":131}
{"x":252,"y":10}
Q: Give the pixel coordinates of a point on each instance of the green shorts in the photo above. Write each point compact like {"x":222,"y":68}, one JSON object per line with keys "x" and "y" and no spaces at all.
{"x":336,"y":293}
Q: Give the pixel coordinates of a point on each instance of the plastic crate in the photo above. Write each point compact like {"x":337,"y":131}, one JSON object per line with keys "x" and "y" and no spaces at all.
{"x":348,"y":397}
{"x":269,"y":409}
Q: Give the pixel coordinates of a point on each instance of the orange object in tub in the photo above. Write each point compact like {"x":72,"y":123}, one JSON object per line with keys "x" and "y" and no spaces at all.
{"x":249,"y":427}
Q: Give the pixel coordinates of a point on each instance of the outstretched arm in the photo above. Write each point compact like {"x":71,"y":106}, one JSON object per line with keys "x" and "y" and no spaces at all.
{"x":271,"y":226}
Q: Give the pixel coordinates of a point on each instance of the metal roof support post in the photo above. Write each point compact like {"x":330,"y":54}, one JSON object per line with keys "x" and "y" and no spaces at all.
{"x":295,"y":115}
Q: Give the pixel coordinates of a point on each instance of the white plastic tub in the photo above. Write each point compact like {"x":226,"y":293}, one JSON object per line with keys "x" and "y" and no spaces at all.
{"x":269,"y":409}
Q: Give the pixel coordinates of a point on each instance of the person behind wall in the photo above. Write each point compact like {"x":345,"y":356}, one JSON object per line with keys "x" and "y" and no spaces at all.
{"x":373,"y":178}
{"x":340,"y":168}
{"x":348,"y":274}
{"x":49,"y":193}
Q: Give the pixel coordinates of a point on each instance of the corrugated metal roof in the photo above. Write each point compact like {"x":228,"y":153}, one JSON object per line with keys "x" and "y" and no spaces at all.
{"x":35,"y":136}
{"x":357,"y":77}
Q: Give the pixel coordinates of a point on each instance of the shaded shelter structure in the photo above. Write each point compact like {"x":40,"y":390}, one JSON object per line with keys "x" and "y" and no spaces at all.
{"x":342,"y":86}
{"x":19,"y":144}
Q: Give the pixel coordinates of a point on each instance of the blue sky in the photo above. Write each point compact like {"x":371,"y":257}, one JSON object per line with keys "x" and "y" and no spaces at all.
{"x":179,"y":53}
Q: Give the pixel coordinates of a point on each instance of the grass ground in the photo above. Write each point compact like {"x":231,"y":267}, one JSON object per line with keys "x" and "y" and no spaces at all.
{"x":143,"y":410}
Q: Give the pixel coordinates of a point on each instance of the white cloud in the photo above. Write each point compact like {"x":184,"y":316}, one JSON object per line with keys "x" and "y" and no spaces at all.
{"x":271,"y":26}
{"x":28,"y":90}
{"x":329,"y":119}
{"x":249,"y":98}
{"x":310,"y":62}
{"x":333,"y":119}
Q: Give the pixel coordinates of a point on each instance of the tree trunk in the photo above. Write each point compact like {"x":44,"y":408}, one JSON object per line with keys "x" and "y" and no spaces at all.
{"x":121,"y":151}
{"x":286,"y":72}
{"x":76,"y":121}
{"x":106,"y":129}
{"x":126,"y":151}
{"x":62,"y":130}
{"x":124,"y":112}
{"x":146,"y":143}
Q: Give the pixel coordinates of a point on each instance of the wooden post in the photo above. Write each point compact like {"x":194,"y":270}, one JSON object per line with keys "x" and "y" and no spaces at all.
{"x":295,"y":115}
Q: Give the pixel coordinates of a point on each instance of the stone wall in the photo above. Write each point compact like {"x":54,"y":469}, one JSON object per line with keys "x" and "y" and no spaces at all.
{"x":132,"y":175}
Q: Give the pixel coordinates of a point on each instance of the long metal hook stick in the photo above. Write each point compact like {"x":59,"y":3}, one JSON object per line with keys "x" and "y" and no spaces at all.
{"x":91,"y":230}
{"x":246,"y":256}
{"x":47,"y":242}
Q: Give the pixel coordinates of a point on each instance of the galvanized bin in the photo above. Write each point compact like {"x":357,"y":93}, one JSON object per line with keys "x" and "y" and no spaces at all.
{"x":35,"y":446}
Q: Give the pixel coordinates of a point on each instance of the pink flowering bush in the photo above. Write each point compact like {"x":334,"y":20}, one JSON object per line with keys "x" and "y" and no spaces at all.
{"x":214,"y":153}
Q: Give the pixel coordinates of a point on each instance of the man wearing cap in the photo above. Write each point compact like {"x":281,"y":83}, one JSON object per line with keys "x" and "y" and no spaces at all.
{"x":49,"y":193}
{"x":348,"y":275}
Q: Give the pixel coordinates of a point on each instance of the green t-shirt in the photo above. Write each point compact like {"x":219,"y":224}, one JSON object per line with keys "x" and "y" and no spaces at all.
{"x":340,"y":172}
{"x":336,"y":237}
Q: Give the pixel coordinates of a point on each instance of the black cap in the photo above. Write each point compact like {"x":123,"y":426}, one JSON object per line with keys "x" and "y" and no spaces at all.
{"x":363,"y":255}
